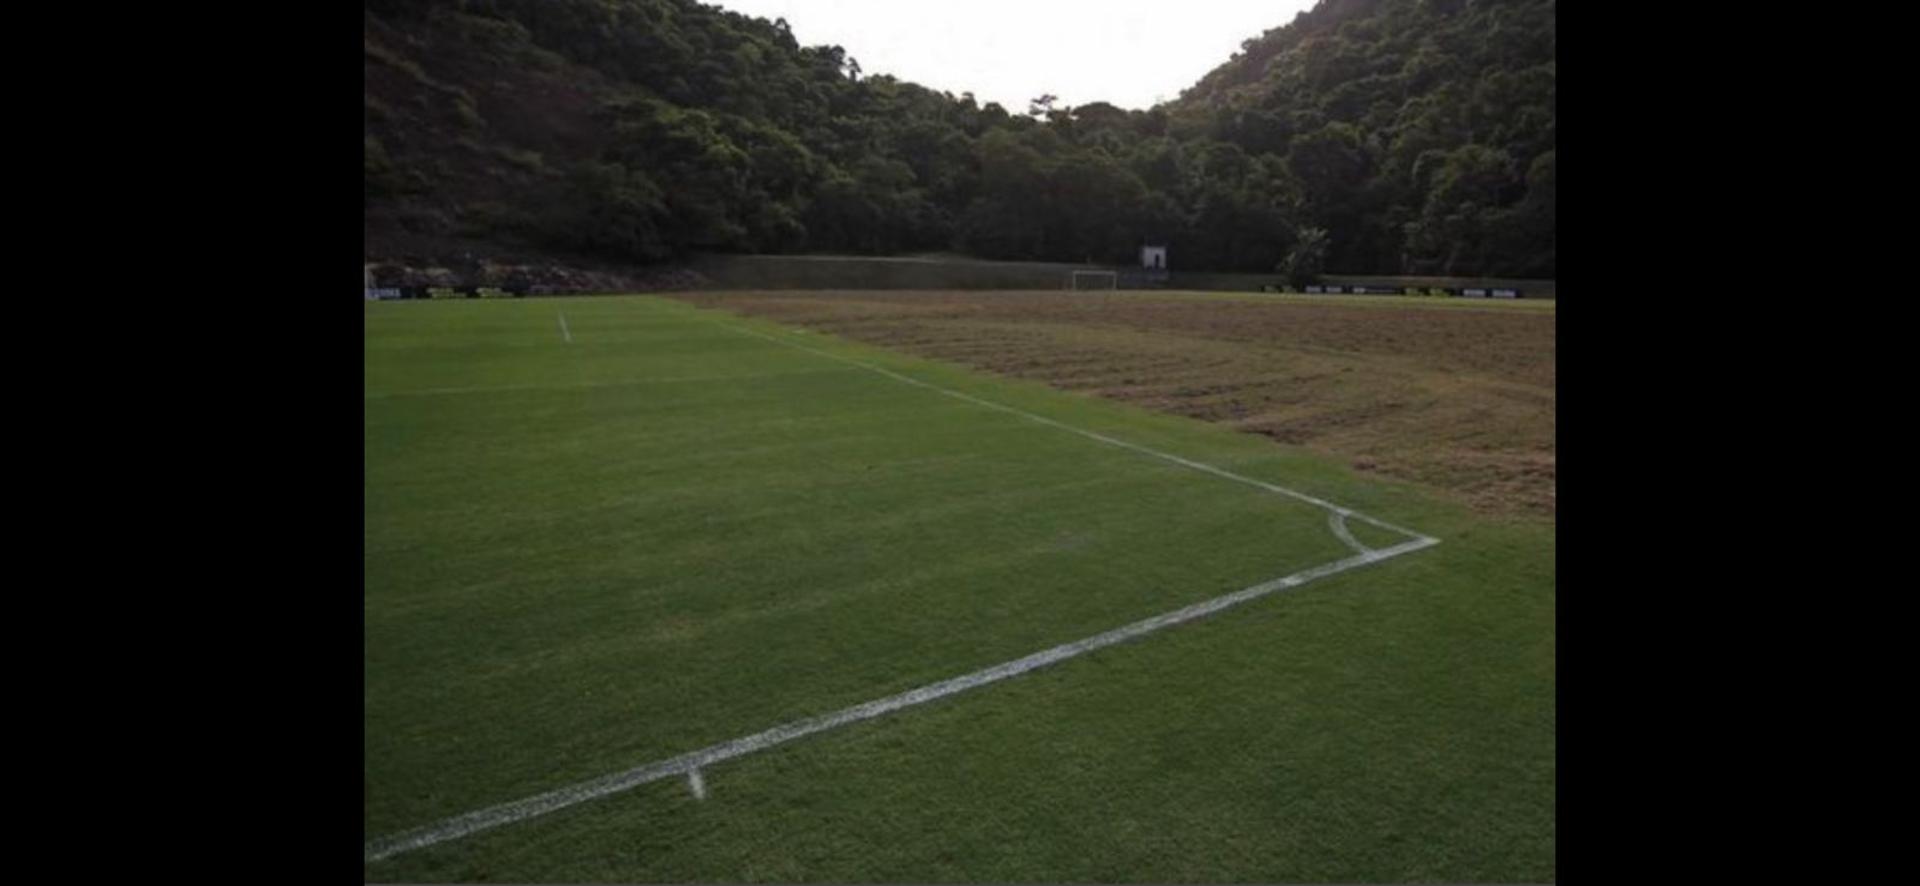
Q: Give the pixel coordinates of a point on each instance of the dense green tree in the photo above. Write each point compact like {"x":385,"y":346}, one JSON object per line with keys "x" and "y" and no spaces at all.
{"x":1370,"y":135}
{"x":1305,"y":259}
{"x":619,"y":212}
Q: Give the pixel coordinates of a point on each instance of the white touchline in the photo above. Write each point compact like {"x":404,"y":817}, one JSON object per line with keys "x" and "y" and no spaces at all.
{"x":1198,"y":466}
{"x":563,"y":329}
{"x":541,"y":804}
{"x":690,"y":763}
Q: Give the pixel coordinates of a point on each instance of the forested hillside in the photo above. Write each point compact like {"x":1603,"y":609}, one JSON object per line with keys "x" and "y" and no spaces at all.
{"x":1367,"y":136}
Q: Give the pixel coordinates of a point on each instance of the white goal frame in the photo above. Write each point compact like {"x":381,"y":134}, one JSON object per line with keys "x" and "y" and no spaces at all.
{"x":1113,"y":279}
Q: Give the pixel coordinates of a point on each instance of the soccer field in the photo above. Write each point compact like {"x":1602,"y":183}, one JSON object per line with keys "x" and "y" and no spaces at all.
{"x":604,"y":534}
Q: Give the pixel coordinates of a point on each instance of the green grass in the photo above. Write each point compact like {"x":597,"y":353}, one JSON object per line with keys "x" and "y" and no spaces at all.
{"x":584,"y":557}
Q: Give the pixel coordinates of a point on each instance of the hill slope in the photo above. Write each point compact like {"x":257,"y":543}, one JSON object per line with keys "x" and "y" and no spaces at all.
{"x":1368,"y":136}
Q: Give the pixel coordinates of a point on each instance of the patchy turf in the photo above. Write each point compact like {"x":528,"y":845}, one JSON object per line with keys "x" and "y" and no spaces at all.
{"x":1456,"y":394}
{"x":586,"y":556}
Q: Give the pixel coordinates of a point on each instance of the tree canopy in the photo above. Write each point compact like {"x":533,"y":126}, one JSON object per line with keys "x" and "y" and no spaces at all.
{"x":1409,"y":136}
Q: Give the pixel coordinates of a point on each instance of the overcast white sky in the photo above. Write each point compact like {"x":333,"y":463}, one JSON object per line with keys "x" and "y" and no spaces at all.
{"x":1133,"y":53}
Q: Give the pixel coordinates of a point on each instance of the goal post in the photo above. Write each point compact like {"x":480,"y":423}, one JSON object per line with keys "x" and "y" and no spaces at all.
{"x":1078,"y":280}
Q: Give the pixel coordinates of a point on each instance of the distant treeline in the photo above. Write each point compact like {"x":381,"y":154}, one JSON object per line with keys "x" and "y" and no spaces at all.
{"x":1368,"y":136}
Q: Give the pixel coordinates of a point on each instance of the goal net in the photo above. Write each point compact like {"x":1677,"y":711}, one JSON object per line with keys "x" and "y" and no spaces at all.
{"x":1078,"y":280}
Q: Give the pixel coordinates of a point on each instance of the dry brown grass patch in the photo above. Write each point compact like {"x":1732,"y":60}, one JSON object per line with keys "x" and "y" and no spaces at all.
{"x":1462,"y":401}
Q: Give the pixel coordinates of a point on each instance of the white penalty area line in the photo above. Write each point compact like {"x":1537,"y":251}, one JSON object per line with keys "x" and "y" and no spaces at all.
{"x":688,"y":765}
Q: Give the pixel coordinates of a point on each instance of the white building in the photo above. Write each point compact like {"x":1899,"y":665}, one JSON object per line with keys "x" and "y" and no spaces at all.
{"x":1153,"y":257}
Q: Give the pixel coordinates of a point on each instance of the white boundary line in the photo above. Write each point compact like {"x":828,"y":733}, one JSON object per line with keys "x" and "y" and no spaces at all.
{"x":1198,"y":466}
{"x":689,"y":764}
{"x":574,"y":794}
{"x":563,"y":328}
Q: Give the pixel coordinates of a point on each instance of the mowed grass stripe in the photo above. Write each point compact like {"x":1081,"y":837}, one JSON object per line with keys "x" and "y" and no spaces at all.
{"x":420,"y":346}
{"x":512,"y":389}
{"x":1392,"y":724}
{"x":1336,"y":509}
{"x":689,"y":765}
{"x":565,"y":585}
